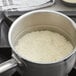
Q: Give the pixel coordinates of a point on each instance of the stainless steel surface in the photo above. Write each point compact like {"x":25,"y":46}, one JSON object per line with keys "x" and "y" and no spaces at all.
{"x":8,"y":65}
{"x":17,"y":7}
{"x":42,"y":20}
{"x":45,"y":20}
{"x":57,"y":6}
{"x":22,"y":70}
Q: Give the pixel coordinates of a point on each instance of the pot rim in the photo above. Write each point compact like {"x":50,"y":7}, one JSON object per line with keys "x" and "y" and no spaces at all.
{"x":33,"y":12}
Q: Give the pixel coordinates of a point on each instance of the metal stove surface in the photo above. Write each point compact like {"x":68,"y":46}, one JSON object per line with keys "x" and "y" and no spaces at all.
{"x":6,"y":18}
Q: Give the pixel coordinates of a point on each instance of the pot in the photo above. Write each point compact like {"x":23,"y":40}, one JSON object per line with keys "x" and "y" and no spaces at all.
{"x":41,"y":20}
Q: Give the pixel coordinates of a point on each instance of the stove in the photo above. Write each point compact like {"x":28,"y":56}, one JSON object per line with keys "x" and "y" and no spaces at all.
{"x":6,"y":19}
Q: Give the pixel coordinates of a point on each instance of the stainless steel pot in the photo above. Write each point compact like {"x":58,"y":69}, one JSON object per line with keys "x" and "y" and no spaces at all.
{"x":41,"y":20}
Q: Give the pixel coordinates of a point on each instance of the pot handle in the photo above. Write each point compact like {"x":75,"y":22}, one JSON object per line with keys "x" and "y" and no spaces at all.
{"x":12,"y":63}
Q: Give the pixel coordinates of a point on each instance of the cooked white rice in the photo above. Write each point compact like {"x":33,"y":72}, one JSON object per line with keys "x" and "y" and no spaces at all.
{"x":43,"y":46}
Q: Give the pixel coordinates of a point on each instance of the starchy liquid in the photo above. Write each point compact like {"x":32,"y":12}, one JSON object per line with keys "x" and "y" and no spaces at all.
{"x":43,"y":46}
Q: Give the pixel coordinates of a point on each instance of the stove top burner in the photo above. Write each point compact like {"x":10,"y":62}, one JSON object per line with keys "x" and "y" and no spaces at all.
{"x":5,"y":50}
